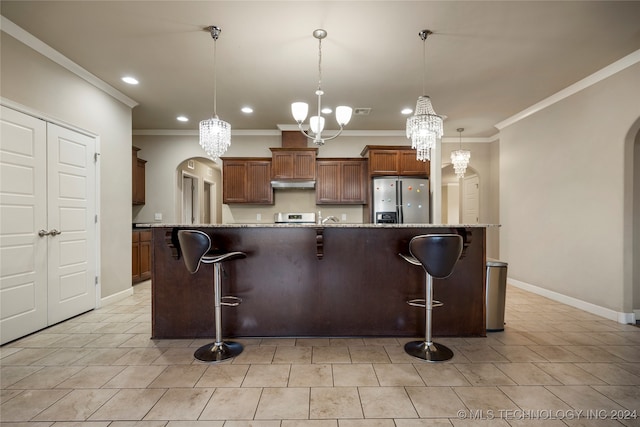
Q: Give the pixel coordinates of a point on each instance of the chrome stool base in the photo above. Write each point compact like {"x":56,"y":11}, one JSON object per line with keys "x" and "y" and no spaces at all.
{"x":431,"y":353}
{"x":217,"y":352}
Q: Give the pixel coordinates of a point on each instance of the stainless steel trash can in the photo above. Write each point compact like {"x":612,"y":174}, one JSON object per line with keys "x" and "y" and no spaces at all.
{"x":496,"y":295}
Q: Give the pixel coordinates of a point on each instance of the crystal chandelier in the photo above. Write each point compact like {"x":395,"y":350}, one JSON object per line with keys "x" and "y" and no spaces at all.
{"x":424,"y":128}
{"x":299,"y":110}
{"x":215,"y":134}
{"x":460,"y":158}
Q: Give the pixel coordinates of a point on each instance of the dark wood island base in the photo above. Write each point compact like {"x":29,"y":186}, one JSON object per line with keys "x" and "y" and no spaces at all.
{"x":317,"y":281}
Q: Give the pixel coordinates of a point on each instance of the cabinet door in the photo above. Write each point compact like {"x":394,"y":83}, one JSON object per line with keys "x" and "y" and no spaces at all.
{"x":139,"y":183}
{"x":145,"y":255}
{"x":259,"y":182}
{"x":234,"y":185}
{"x":409,"y":165}
{"x":304,"y":164}
{"x":135,"y":256}
{"x":354,"y":185}
{"x":383,"y":162}
{"x":328,"y":182}
{"x":282,"y":165}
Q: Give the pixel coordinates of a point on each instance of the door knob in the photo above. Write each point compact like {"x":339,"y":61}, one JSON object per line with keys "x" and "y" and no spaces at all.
{"x":53,"y":232}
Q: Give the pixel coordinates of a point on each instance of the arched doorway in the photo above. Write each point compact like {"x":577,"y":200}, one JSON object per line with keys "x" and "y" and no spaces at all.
{"x":460,"y":197}
{"x":632,"y":220}
{"x":198,"y":182}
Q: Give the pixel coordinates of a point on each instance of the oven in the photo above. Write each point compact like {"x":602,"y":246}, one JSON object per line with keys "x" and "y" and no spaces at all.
{"x":294,"y":218}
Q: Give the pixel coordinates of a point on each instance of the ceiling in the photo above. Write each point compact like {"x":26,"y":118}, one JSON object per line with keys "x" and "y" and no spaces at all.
{"x":486,"y":61}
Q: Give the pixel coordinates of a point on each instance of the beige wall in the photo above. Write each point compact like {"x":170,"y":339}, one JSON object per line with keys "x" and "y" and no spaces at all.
{"x":563,"y":176}
{"x":37,"y":83}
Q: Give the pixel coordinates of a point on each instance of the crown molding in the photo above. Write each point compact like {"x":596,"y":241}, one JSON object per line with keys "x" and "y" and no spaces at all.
{"x":47,"y":51}
{"x":606,"y":72}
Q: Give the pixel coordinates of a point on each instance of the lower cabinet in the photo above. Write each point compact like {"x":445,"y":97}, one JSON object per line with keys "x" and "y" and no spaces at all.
{"x":140,"y":255}
{"x":341,"y":181}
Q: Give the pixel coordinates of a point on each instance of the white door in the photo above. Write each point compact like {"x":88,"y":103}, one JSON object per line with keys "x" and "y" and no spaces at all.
{"x":471,"y":200}
{"x":23,"y":212}
{"x":71,"y":211}
{"x":48,"y":231}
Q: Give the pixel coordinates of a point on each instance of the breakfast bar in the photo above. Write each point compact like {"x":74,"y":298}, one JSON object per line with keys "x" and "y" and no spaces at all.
{"x":338,"y":280}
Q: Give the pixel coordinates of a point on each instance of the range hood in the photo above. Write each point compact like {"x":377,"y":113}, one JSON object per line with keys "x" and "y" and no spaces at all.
{"x":290,"y":184}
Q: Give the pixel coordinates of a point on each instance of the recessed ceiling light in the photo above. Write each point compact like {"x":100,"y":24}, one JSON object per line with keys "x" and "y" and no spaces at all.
{"x":406,"y":111}
{"x":327,"y":110}
{"x":182,"y":119}
{"x":130,"y":80}
{"x":247,"y":110}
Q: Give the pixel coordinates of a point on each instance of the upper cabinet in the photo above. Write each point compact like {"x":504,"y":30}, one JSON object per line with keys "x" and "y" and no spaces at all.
{"x":138,"y":179}
{"x":341,"y":181}
{"x":246,"y":180}
{"x":293,"y":163}
{"x":394,"y":160}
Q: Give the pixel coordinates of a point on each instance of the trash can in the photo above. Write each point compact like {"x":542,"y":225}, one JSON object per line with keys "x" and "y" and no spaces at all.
{"x":496,"y":294}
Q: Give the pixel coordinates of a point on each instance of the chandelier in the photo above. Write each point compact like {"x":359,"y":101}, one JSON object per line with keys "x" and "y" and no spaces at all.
{"x":215,"y":134}
{"x":299,"y":110}
{"x":424,"y":128}
{"x":460,"y":158}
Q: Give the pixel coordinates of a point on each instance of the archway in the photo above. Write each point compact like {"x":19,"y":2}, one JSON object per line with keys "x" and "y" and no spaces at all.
{"x":632,"y":221}
{"x":198,"y":191}
{"x":458,"y":199}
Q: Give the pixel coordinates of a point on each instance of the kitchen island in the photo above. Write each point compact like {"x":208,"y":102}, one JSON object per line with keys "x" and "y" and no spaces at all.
{"x":339,"y":280}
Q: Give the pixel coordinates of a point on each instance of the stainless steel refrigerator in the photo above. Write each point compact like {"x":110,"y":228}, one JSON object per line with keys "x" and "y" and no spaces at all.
{"x":400,"y":200}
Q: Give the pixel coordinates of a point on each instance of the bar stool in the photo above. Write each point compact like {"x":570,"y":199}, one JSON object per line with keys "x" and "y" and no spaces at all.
{"x":196,"y":248}
{"x":437,"y":254}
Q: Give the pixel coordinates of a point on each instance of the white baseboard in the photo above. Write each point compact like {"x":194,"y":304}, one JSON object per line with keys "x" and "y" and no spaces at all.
{"x":116,"y":297}
{"x":607,"y":313}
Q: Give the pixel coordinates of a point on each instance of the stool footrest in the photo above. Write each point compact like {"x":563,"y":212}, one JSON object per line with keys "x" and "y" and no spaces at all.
{"x":230,"y":301}
{"x":420,"y":302}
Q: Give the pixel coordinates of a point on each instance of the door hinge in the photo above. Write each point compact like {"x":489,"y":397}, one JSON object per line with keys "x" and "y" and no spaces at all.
{"x":95,"y":219}
{"x":95,"y":157}
{"x":96,"y":280}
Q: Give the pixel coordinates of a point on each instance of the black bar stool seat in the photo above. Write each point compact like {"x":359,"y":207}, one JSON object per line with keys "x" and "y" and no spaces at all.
{"x":195,"y":246}
{"x":438,"y":255}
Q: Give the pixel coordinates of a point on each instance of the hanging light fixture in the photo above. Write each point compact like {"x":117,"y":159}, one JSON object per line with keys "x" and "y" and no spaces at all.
{"x":460,"y":158}
{"x":215,"y":134}
{"x":299,"y":110}
{"x":424,"y":128}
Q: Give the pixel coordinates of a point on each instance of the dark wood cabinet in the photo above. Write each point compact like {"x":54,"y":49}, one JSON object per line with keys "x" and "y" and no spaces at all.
{"x":140,"y":255}
{"x":138,"y":177}
{"x":341,"y":181}
{"x":293,"y":163}
{"x":394,"y":160}
{"x":246,"y":180}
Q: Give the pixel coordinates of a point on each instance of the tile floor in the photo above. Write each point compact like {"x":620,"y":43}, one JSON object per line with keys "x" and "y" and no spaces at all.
{"x":553,"y":365}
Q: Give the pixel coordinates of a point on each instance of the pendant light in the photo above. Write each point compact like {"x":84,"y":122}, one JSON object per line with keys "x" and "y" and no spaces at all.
{"x":424,"y":128}
{"x":215,"y":134}
{"x":460,"y":158}
{"x":299,"y":110}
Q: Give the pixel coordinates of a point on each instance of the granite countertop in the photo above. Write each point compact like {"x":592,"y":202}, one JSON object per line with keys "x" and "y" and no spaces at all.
{"x":328,"y":225}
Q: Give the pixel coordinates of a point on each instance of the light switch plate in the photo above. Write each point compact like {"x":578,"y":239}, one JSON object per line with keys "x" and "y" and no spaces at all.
{"x":157,"y":217}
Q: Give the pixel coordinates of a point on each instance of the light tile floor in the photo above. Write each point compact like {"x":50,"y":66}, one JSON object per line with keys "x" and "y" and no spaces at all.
{"x":553,"y":365}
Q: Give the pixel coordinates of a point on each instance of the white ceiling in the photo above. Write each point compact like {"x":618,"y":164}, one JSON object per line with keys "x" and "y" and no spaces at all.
{"x":486,"y":61}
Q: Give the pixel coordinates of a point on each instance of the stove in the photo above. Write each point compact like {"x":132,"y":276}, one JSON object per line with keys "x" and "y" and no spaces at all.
{"x":294,"y":218}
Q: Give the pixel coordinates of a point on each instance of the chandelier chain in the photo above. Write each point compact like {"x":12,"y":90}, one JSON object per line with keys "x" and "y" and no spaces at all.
{"x":215,"y":85}
{"x":319,"y":64}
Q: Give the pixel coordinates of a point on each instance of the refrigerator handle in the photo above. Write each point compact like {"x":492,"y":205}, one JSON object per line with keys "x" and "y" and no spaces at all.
{"x":399,"y":202}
